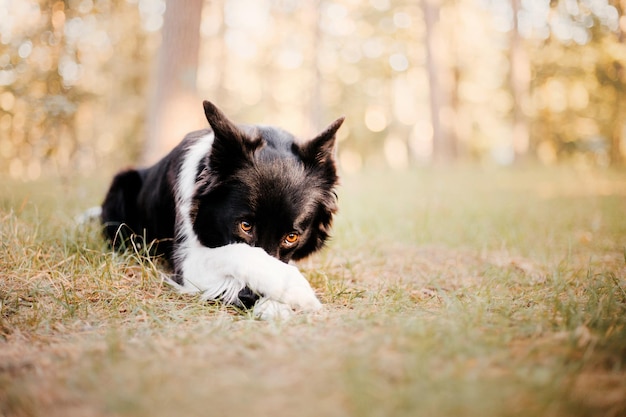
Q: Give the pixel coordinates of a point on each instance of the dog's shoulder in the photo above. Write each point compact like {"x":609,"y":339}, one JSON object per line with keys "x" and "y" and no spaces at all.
{"x":199,"y":140}
{"x":187,"y":154}
{"x":196,"y":135}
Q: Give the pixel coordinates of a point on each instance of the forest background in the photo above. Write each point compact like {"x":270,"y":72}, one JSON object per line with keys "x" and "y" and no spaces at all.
{"x":89,"y":85}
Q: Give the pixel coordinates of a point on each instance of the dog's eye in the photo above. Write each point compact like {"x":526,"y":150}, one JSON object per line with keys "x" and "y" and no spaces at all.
{"x":291,"y":238}
{"x":246,"y":226}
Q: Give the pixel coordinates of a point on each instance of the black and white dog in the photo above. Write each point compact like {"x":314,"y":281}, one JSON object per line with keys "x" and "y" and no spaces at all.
{"x":228,"y":208}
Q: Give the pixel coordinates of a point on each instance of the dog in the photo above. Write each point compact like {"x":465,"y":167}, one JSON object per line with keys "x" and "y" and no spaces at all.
{"x":228,"y":209}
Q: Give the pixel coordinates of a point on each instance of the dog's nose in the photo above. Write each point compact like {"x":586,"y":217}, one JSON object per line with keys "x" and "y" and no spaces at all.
{"x":271,"y":250}
{"x":275,"y":253}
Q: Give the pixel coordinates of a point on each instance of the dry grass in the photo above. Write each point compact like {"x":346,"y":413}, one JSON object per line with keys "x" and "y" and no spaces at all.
{"x":462,"y":293}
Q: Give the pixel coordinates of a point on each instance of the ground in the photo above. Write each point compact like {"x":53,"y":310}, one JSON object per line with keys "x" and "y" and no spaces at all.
{"x":459,"y":292}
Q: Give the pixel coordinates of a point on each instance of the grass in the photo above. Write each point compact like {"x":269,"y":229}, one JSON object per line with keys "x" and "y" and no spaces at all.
{"x":447,"y":293}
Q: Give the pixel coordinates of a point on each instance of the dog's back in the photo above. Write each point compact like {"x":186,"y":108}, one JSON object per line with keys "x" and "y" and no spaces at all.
{"x":139,"y":207}
{"x":120,"y":215}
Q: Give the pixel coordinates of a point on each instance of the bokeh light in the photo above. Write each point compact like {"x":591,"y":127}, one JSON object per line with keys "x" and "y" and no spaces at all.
{"x":75,"y":77}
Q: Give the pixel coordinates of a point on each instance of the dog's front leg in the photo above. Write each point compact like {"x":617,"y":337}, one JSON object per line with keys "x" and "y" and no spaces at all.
{"x":220,"y":273}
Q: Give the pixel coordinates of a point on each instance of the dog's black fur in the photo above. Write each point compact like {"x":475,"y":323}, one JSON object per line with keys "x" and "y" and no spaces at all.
{"x":256,"y":176}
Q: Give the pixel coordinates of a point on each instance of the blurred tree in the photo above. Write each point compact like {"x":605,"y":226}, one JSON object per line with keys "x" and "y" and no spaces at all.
{"x":579,"y":82}
{"x":64,"y":64}
{"x":175,"y":107}
{"x":519,"y":83}
{"x":443,"y":144}
{"x":420,"y":80}
{"x":315,"y":102}
{"x":617,"y":77}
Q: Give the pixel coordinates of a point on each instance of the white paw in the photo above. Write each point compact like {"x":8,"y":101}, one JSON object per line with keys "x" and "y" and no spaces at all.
{"x":267,"y":309}
{"x":298,"y":293}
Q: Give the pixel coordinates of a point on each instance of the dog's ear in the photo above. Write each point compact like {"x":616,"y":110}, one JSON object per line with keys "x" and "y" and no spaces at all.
{"x":232,"y":147}
{"x":321,"y":148}
{"x":318,"y":153}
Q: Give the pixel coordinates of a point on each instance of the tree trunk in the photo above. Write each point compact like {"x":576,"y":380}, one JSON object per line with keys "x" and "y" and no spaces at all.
{"x":616,"y":156}
{"x":443,"y":150}
{"x":519,"y":82}
{"x":619,"y":126}
{"x":315,"y":102}
{"x":175,"y":108}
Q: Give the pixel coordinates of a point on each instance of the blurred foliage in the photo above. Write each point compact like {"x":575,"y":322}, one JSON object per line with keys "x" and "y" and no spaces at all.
{"x":74,"y":77}
{"x":579,"y":83}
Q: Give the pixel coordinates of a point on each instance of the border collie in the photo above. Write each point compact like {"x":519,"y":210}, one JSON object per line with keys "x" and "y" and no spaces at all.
{"x":229,"y":208}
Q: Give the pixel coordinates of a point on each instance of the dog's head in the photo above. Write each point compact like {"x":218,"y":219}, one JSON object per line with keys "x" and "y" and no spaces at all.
{"x":262,"y":187}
